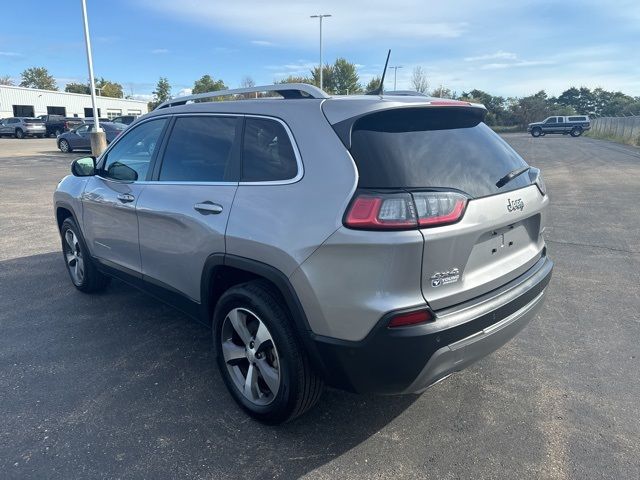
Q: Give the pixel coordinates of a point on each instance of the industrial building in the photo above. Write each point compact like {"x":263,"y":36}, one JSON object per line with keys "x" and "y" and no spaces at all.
{"x":31,"y":102}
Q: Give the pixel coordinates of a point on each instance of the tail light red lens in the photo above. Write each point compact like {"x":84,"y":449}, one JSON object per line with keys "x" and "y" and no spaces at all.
{"x":411,"y":318}
{"x":404,"y":211}
{"x":394,"y":211}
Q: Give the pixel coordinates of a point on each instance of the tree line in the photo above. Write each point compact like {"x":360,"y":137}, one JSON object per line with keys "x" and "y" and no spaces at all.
{"x":342,"y":78}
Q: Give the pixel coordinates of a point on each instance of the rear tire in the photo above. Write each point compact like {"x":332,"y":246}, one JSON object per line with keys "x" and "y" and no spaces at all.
{"x":536,"y":132}
{"x":83,"y":272}
{"x":576,"y":131}
{"x":19,"y":133}
{"x":244,"y":316}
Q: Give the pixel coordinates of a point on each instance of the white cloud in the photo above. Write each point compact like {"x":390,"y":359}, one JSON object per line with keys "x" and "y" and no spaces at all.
{"x":356,"y":20}
{"x":520,"y":63}
{"x":262,"y":43}
{"x":493,"y":56}
{"x":10,"y":54}
{"x":159,"y":51}
{"x":184,"y":92}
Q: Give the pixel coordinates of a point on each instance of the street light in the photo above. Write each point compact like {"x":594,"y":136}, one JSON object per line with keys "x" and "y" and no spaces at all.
{"x":98,"y":138}
{"x":395,"y":75}
{"x":320,"y":16}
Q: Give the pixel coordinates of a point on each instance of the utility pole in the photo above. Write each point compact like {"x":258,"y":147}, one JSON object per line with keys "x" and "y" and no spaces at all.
{"x":395,"y":75}
{"x":320,"y":16}
{"x":98,"y":137}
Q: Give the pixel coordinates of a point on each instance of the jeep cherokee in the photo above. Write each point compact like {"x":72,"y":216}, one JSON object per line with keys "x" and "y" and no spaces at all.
{"x":370,"y":243}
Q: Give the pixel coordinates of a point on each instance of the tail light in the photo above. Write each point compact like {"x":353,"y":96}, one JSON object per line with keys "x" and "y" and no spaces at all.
{"x":404,"y":211}
{"x":411,"y":318}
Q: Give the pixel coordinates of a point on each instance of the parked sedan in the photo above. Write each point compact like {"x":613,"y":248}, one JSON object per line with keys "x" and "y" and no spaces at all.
{"x":80,"y":138}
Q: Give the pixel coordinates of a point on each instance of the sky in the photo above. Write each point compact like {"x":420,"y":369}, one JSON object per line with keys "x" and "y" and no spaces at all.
{"x":505,"y":47}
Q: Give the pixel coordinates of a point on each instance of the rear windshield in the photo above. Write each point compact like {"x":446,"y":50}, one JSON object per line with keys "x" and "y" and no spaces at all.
{"x":32,"y":120}
{"x":433,"y":148}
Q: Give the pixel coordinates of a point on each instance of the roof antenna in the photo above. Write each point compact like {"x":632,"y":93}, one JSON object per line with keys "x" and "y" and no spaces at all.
{"x":378,"y":91}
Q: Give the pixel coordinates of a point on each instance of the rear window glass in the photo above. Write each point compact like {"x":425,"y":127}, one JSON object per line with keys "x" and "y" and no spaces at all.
{"x":32,"y":120}
{"x":267,"y":153}
{"x":199,"y":150}
{"x":433,"y":148}
{"x":577,"y":119}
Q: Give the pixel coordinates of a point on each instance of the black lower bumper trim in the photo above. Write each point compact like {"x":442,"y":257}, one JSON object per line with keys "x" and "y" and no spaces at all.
{"x":389,"y":361}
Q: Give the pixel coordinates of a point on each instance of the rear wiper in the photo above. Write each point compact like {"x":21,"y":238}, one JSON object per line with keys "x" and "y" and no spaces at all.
{"x":511,"y":175}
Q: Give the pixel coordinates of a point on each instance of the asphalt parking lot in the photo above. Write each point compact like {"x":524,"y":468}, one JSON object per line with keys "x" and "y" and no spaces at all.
{"x":119,"y":385}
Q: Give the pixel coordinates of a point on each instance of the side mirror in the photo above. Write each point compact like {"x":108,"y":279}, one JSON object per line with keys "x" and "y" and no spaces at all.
{"x":84,"y":167}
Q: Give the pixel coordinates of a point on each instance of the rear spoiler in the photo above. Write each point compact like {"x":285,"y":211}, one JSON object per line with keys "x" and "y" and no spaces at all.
{"x":473,"y":113}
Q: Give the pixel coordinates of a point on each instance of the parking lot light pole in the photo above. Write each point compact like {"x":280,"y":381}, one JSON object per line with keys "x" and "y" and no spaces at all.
{"x":98,"y":137}
{"x":320,"y":17}
{"x":395,"y":75}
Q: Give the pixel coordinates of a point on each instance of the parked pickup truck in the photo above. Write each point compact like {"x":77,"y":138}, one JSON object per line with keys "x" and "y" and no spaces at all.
{"x":573,"y":125}
{"x":57,"y":124}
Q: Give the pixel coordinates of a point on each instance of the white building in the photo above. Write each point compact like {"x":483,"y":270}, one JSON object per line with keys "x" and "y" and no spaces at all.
{"x":31,"y":102}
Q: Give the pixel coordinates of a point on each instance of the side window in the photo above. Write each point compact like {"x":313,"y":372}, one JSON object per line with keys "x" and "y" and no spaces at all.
{"x":267,"y":153}
{"x":129,"y":159}
{"x":83,"y":129}
{"x":551,"y":120}
{"x":560,"y":119}
{"x":199,"y":149}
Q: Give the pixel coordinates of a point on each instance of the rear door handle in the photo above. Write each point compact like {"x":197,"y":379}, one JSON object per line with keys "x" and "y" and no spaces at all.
{"x":208,"y":208}
{"x":126,"y":197}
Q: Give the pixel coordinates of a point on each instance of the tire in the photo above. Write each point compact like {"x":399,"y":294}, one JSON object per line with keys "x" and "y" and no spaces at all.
{"x":536,"y":132}
{"x":284,"y":386}
{"x":64,"y":146}
{"x":82,"y":270}
{"x":576,"y":131}
{"x":19,"y":133}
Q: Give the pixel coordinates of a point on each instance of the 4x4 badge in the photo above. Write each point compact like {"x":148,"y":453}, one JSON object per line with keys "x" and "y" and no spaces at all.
{"x":444,"y":278}
{"x":513,"y":205}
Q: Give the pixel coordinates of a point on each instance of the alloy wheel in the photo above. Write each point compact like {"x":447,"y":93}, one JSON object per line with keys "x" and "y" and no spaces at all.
{"x":250,"y":356}
{"x":73,"y":255}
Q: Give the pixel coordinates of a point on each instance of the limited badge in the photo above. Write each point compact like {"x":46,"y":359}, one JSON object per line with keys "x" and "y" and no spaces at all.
{"x":445,"y":278}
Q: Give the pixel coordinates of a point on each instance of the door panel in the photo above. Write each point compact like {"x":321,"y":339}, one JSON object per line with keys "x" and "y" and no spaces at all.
{"x":175,"y":238}
{"x":110,"y":223}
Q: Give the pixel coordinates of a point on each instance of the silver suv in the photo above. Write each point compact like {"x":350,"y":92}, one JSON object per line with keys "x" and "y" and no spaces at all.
{"x":371,"y":243}
{"x":21,"y":127}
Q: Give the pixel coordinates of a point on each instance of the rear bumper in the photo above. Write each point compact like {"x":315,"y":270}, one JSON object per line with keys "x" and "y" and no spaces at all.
{"x":408,"y":360}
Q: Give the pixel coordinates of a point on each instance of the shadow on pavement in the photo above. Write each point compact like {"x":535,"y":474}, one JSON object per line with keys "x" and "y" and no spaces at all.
{"x":118,"y":384}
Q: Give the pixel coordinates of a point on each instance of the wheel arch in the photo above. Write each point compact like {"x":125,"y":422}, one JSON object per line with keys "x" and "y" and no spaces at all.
{"x":64,"y":211}
{"x":223,"y":271}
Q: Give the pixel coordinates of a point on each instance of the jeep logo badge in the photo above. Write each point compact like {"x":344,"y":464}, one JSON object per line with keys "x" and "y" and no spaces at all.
{"x":513,"y":205}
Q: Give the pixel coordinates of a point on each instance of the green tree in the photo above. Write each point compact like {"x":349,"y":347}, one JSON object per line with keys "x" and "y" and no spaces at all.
{"x":345,"y":78}
{"x":328,"y":81}
{"x":109,"y":88}
{"x":161,"y":94}
{"x":532,"y":108}
{"x":207,"y":84}
{"x":373,"y":84}
{"x":296,"y":79}
{"x":74,"y":87}
{"x":5,"y":80}
{"x":442,"y":92}
{"x":38,"y":77}
{"x":419,"y":80}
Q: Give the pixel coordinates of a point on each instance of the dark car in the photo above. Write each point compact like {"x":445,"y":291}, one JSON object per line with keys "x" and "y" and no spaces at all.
{"x":58,"y":124}
{"x":572,"y":125}
{"x":80,"y":137}
{"x":126,"y":119}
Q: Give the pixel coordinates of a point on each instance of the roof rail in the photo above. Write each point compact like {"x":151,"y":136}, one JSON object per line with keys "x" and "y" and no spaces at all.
{"x":287,"y":90}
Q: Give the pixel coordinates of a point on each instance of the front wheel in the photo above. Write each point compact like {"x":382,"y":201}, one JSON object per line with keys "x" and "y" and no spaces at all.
{"x":576,"y":131}
{"x":19,"y":133}
{"x":64,"y":146}
{"x":260,"y":356}
{"x":82,"y":271}
{"x":536,"y":132}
